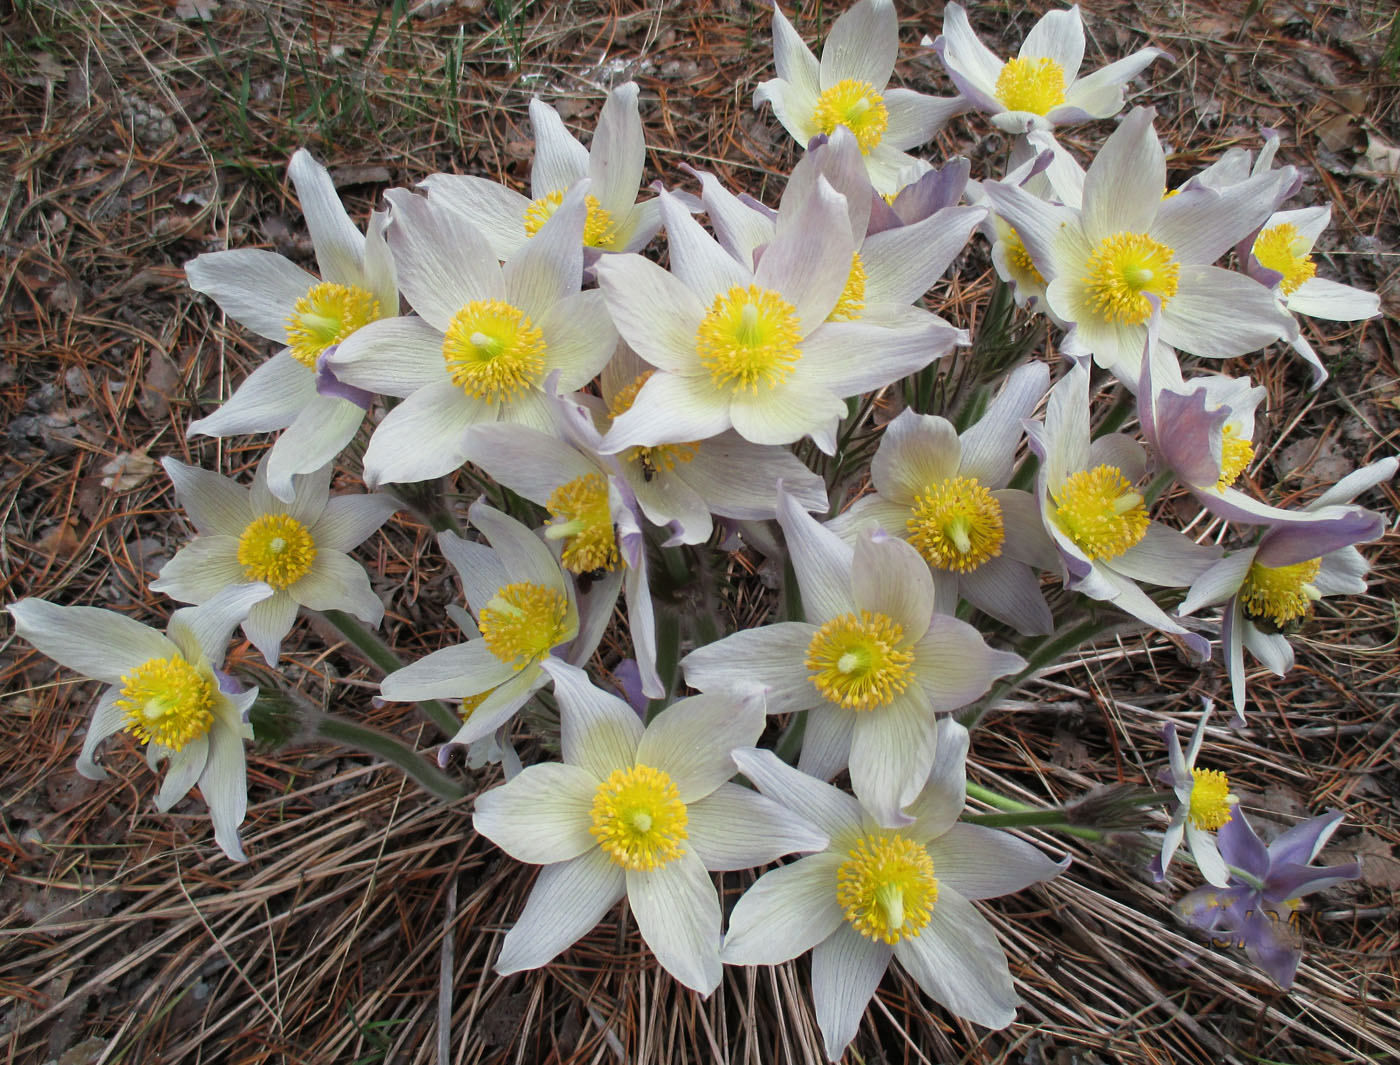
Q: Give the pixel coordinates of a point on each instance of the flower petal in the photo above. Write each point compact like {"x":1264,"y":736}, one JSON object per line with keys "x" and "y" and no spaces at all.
{"x":691,"y":739}
{"x":785,"y":414}
{"x":705,"y":268}
{"x":846,"y":970}
{"x":201,"y":569}
{"x":1333,"y":302}
{"x":862,"y":45}
{"x":340,"y":247}
{"x":1123,"y":185}
{"x":618,"y":154}
{"x":889,"y":577}
{"x":350,"y":520}
{"x":989,"y":446}
{"x":393,"y":356}
{"x":498,"y":212}
{"x":337,"y":582}
{"x":677,"y":912}
{"x":821,"y":560}
{"x":1218,"y":313}
{"x":316,"y":436}
{"x":568,"y":900}
{"x":1059,"y":35}
{"x":96,"y":643}
{"x":982,"y":863}
{"x":541,"y":815}
{"x":955,"y":666}
{"x":550,"y":265}
{"x":733,"y":828}
{"x":213,"y":503}
{"x":560,"y":160}
{"x":917,"y":451}
{"x":454,"y":672}
{"x":786,"y":912}
{"x":826,"y":741}
{"x":423,"y":437}
{"x":268,"y":623}
{"x":257,"y":289}
{"x":598,"y":731}
{"x":270,"y":398}
{"x":579,"y":338}
{"x":224,"y":785}
{"x":944,"y":794}
{"x":107,"y":719}
{"x":892,"y":751}
{"x":830,"y":809}
{"x":765,"y":661}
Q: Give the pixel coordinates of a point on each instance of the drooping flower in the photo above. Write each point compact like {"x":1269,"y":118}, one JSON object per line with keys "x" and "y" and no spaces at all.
{"x":280,"y":301}
{"x":873,"y":663}
{"x":849,"y":88}
{"x":1204,"y":804}
{"x":876,"y":893}
{"x":298,"y":548}
{"x":1097,"y":518}
{"x":1268,"y":589}
{"x":640,"y":812}
{"x":486,"y":338}
{"x":1257,"y":908}
{"x":947,"y":496}
{"x":164,"y":689}
{"x":1127,"y":252}
{"x":612,"y":164}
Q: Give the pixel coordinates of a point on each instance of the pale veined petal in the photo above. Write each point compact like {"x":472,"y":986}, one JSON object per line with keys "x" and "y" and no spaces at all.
{"x":224,"y":785}
{"x":182,"y":771}
{"x":792,"y":59}
{"x":705,"y":268}
{"x":1271,"y":648}
{"x":560,"y":160}
{"x":870,"y":512}
{"x":902,"y":264}
{"x":201,"y":569}
{"x":738,"y":227}
{"x":765,"y":661}
{"x":316,"y":436}
{"x":670,"y":409}
{"x":393,"y":356}
{"x":480,"y":569}
{"x":618,"y":154}
{"x":381,"y":278}
{"x":734,"y":828}
{"x":269,"y":398}
{"x":213,"y":503}
{"x":523,"y":554}
{"x":340,"y":247}
{"x":690,"y":740}
{"x":892,"y":751}
{"x":550,"y":265}
{"x":499,"y":212}
{"x":1207,"y":855}
{"x":443,"y":261}
{"x":456,"y":672}
{"x":786,"y":912}
{"x":598,"y":731}
{"x":257,"y":289}
{"x":989,"y":446}
{"x":941,"y":802}
{"x":917,"y":451}
{"x":579,"y":338}
{"x":889,"y":577}
{"x":1200,"y":224}
{"x":862,"y":45}
{"x":1123,"y":185}
{"x":809,"y":261}
{"x":654,"y":311}
{"x":1100,"y":93}
{"x":268,"y":623}
{"x":540,"y":816}
{"x":96,"y":643}
{"x":822,"y":562}
{"x":1026,"y":538}
{"x":826,"y":740}
{"x":203,"y":631}
{"x":350,"y":520}
{"x":422,"y":437}
{"x":1008,"y":591}
{"x":830,"y":809}
{"x":736,"y":478}
{"x":1342,"y":573}
{"x":500,"y":705}
{"x":982,"y":863}
{"x":568,"y":900}
{"x":954,"y":665}
{"x":1218,"y":313}
{"x":846,"y":970}
{"x":1066,"y":429}
{"x":1059,"y":36}
{"x":107,"y":719}
{"x":525,"y":460}
{"x":337,"y":582}
{"x":304,"y":503}
{"x":1166,"y":557}
{"x":793,"y":106}
{"x":967,"y":58}
{"x":1333,"y":302}
{"x":787,"y":412}
{"x":677,"y":912}
{"x":914,"y":118}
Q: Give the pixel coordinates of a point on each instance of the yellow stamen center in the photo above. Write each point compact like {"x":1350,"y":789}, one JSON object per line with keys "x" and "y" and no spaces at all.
{"x":1284,"y":249}
{"x":325,"y":316}
{"x":599,"y":229}
{"x":638,"y":818}
{"x":1020,"y":260}
{"x":493,"y":351}
{"x":1124,"y":270}
{"x":167,"y":701}
{"x":521,"y":622}
{"x":471,"y":703}
{"x":581,"y":516}
{"x":1280,"y":593}
{"x":956,"y":524}
{"x":659,"y":457}
{"x":1034,"y":85}
{"x":1210,"y":799}
{"x":276,"y":549}
{"x":857,"y":106}
{"x":886,"y":887}
{"x":858,"y":663}
{"x":1100,"y":512}
{"x":851,"y":303}
{"x":749,"y":336}
{"x":1236,"y":453}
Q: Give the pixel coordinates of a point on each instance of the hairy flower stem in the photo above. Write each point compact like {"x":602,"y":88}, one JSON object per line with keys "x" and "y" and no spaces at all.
{"x":1053,"y":819}
{"x":668,"y":656}
{"x":361,"y":737}
{"x":1049,"y":649}
{"x":380,"y":654}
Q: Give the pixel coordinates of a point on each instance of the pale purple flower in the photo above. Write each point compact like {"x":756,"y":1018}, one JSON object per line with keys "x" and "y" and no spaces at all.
{"x":1204,"y":803}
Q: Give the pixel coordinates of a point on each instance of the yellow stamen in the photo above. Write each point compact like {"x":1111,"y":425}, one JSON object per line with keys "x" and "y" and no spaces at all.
{"x":1280,"y":593}
{"x":470,"y":703}
{"x":1124,"y":270}
{"x":858,"y":663}
{"x":638,"y":818}
{"x":325,"y":316}
{"x":1034,"y":85}
{"x":1211,"y":800}
{"x":1100,"y":512}
{"x":886,"y":887}
{"x":1283,"y":249}
{"x":581,"y":516}
{"x":851,"y":303}
{"x":167,"y":701}
{"x":956,"y":524}
{"x":659,"y":457}
{"x":1236,"y":453}
{"x":276,"y":549}
{"x":599,"y":229}
{"x":750,"y":336}
{"x":493,"y":351}
{"x":857,"y":106}
{"x":523,"y":621}
{"x":1020,"y":260}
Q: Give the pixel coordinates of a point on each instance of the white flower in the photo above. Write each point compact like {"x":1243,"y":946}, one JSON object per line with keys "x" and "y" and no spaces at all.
{"x":1041,"y":87}
{"x":164,"y":689}
{"x":641,"y":813}
{"x":278,"y":300}
{"x":298,"y":548}
{"x":1203,"y":804}
{"x":613,"y":164}
{"x":947,"y":496}
{"x":1127,"y":251}
{"x":877,"y":893}
{"x":872,"y":663}
{"x":485,"y":341}
{"x":848,"y":88}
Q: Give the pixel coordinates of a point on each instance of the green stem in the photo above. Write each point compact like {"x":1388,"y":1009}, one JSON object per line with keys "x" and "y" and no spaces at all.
{"x":668,"y":650}
{"x":1049,"y":649}
{"x":380,"y":744}
{"x":790,"y":742}
{"x":995,"y":798}
{"x":1157,"y":486}
{"x":380,"y":654}
{"x":1054,"y":819}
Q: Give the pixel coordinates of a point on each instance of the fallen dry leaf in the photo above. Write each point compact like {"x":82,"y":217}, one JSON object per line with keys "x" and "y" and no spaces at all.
{"x":128,"y":470}
{"x":1382,"y":161}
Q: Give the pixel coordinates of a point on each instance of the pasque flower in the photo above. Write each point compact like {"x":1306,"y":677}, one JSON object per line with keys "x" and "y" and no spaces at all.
{"x":640,"y":812}
{"x":164,"y":689}
{"x":1204,"y":803}
{"x":876,"y":893}
{"x":280,"y":301}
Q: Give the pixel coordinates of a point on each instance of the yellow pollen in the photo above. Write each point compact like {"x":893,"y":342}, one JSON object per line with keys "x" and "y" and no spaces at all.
{"x":1210,"y":799}
{"x":1236,"y":453}
{"x":1020,"y":259}
{"x":581,"y":516}
{"x":276,"y":549}
{"x":886,"y":888}
{"x":1100,"y":512}
{"x":659,"y":457}
{"x":167,"y":701}
{"x":1034,"y":85}
{"x":857,"y":106}
{"x":1124,"y":270}
{"x":470,"y":703}
{"x":1284,"y":249}
{"x":858,"y":663}
{"x":956,"y":524}
{"x":599,"y":229}
{"x":851,"y":303}
{"x":638,"y":818}
{"x":749,"y":336}
{"x":325,"y":316}
{"x":493,"y":351}
{"x":521,"y":622}
{"x":1280,"y":593}
{"x":1167,"y":194}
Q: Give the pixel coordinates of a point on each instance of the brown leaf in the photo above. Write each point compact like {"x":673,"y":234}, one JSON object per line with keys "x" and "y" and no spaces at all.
{"x":1379,"y":866}
{"x":129,"y":470}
